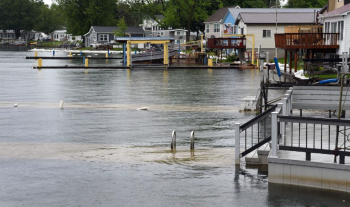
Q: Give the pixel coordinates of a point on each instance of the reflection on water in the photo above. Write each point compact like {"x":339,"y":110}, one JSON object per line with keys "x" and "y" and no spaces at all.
{"x":100,"y":151}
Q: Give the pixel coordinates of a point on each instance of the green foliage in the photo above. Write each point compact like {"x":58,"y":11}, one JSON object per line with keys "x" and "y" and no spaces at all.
{"x":80,"y":15}
{"x":121,"y":32}
{"x":306,"y":3}
{"x":251,"y":3}
{"x":19,"y":15}
{"x":231,"y":58}
{"x":49,"y":19}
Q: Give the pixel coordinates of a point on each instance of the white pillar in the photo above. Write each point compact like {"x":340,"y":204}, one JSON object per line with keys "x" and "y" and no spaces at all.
{"x":237,"y":143}
{"x":274,"y":134}
{"x":283,"y":124}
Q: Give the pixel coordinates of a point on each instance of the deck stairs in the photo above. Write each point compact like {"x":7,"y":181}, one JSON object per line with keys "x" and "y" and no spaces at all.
{"x":259,"y":156}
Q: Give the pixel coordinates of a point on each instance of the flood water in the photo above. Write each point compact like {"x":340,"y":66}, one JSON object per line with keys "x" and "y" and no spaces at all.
{"x":100,"y":151}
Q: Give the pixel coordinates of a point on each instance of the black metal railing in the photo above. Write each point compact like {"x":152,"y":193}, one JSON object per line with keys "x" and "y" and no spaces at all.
{"x":316,"y":135}
{"x":257,"y":131}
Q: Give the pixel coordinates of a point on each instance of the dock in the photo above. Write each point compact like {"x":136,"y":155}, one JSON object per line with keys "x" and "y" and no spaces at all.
{"x":73,"y":58}
{"x":141,"y":67}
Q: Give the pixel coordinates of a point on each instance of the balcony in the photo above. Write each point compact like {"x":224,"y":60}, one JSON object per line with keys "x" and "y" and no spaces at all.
{"x":226,"y":43}
{"x":307,"y":41}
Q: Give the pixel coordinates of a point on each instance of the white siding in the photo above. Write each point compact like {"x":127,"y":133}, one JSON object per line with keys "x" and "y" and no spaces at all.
{"x":346,"y":41}
{"x":257,"y":30}
{"x":343,"y":44}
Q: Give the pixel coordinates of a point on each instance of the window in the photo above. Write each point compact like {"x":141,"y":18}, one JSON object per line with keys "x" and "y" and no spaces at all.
{"x":333,"y":27}
{"x":103,"y":37}
{"x":216,"y":27}
{"x":266,"y":33}
{"x":340,"y":29}
{"x":178,"y":42}
{"x":327,"y":27}
{"x":207,"y":28}
{"x":161,"y":33}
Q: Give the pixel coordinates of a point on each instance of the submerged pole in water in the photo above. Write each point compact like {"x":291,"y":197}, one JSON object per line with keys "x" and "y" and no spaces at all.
{"x":192,"y":140}
{"x":61,"y":104}
{"x":173,"y":140}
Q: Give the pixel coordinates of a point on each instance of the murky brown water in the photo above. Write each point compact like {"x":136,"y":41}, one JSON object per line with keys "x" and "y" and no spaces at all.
{"x":100,"y":151}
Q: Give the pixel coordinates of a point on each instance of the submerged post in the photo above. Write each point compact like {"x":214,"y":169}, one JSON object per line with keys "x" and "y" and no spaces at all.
{"x":173,"y":140}
{"x":192,"y":140}
{"x":61,"y":104}
{"x":237,"y":143}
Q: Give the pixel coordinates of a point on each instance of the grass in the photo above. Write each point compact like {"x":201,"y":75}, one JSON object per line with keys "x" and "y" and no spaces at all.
{"x":49,"y":43}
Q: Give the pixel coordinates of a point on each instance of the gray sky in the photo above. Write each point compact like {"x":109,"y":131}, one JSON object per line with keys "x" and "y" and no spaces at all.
{"x":47,"y":2}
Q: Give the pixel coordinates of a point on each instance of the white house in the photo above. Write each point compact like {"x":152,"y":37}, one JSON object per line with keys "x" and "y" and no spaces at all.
{"x":223,"y":20}
{"x":150,"y":25}
{"x":179,"y":36}
{"x":338,"y":21}
{"x":263,"y":26}
{"x":61,"y":35}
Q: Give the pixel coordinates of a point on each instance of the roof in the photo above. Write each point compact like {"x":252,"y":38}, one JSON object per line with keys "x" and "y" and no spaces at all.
{"x":218,"y":15}
{"x":107,"y":29}
{"x":235,"y":12}
{"x":338,"y":11}
{"x":282,"y":18}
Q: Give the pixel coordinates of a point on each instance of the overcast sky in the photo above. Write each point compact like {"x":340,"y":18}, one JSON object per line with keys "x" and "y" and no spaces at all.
{"x":47,"y":2}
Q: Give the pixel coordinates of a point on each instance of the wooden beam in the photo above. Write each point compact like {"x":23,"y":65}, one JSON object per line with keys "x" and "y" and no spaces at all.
{"x":290,"y":60}
{"x":285,"y":60}
{"x":296,"y":61}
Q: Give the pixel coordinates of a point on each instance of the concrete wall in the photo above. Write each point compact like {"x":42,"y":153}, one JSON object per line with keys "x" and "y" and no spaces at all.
{"x":309,"y":174}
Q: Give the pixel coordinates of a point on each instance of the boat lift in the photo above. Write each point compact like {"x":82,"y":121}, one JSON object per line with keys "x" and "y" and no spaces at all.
{"x":127,"y":41}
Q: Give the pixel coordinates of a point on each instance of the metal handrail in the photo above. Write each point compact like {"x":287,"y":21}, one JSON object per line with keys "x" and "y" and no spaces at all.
{"x":257,"y":118}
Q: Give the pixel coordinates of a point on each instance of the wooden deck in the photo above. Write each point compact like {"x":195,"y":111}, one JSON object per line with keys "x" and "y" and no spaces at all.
{"x":307,"y":41}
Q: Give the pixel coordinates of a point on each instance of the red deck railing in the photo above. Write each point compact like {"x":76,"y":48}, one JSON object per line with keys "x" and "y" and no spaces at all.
{"x":307,"y":41}
{"x":228,"y":43}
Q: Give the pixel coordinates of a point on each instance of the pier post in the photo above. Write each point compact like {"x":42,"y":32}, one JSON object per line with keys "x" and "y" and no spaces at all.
{"x":87,"y":62}
{"x":81,"y":52}
{"x":36,"y":54}
{"x":124,"y":54}
{"x":53,"y":52}
{"x":70,"y":54}
{"x":40,"y":62}
{"x":166,"y":54}
{"x":237,"y":143}
{"x":274,"y":134}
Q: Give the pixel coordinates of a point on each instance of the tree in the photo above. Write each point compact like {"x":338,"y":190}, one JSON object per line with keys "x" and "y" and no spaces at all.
{"x":19,"y":15}
{"x":121,"y":32}
{"x":306,"y":3}
{"x":80,"y":15}
{"x":49,"y":19}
